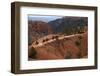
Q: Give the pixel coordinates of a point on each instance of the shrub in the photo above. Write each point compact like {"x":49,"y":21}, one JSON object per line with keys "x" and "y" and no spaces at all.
{"x":77,"y":43}
{"x":53,"y":37}
{"x":79,"y":55}
{"x":68,"y":55}
{"x":46,"y":39}
{"x":67,"y":38}
{"x":56,"y":37}
{"x":80,"y":37}
{"x":36,"y":42}
{"x":43,"y":41}
{"x":33,"y":53}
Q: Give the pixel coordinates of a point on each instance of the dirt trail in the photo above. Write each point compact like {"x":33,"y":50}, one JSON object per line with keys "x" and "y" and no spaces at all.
{"x":51,"y":40}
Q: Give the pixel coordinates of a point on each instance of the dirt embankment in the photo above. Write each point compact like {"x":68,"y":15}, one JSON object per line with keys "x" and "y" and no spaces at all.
{"x":67,"y":48}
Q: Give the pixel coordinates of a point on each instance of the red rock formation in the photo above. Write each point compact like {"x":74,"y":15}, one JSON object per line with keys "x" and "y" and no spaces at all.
{"x":38,"y":29}
{"x":67,"y":48}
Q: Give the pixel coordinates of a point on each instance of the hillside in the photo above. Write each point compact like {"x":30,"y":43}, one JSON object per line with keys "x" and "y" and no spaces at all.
{"x":68,"y":47}
{"x":69,"y":25}
{"x":64,"y":25}
{"x":38,"y":29}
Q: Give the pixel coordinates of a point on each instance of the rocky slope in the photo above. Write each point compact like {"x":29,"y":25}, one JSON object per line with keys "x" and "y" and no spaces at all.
{"x":37,"y":29}
{"x":66,"y":48}
{"x":68,"y":24}
{"x":64,"y":25}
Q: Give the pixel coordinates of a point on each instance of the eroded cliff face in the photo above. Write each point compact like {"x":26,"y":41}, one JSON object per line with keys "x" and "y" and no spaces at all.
{"x":67,"y":48}
{"x":38,"y":29}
